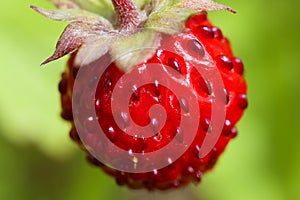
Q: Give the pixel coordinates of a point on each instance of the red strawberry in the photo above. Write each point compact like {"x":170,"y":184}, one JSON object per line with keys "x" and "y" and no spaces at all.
{"x":189,"y":68}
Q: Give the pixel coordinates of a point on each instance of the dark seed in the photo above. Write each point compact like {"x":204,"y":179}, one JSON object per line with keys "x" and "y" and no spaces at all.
{"x":74,"y":135}
{"x":226,"y":96}
{"x":205,"y":31}
{"x":238,"y":66}
{"x":212,"y":161}
{"x":149,"y":185}
{"x":206,"y":124}
{"x":98,"y":105}
{"x":197,"y":177}
{"x":112,"y":134}
{"x":210,"y":128}
{"x":217,"y":33}
{"x":179,"y":135}
{"x":184,"y":104}
{"x":176,"y":183}
{"x":67,"y":112}
{"x":125,"y":119}
{"x":196,"y":151}
{"x":155,"y":126}
{"x":234,"y":132}
{"x":213,"y":157}
{"x":195,"y":47}
{"x":75,"y":71}
{"x":189,"y":170}
{"x":144,"y":144}
{"x":156,"y":88}
{"x":224,"y":62}
{"x":227,"y":128}
{"x":135,"y":93}
{"x":63,"y":86}
{"x":205,"y":86}
{"x":158,"y":137}
{"x":107,"y":85}
{"x":120,"y":181}
{"x":242,"y":101}
{"x":173,"y":62}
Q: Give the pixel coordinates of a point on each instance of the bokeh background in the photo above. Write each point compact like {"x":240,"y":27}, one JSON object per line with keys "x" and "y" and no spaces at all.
{"x":38,"y":160}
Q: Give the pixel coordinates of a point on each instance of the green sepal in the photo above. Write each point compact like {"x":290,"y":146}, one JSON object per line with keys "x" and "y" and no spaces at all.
{"x":132,"y":50}
{"x":169,"y":16}
{"x":100,"y":7}
{"x":92,"y":34}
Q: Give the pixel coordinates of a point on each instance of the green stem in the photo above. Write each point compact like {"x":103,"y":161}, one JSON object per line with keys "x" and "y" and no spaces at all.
{"x":128,"y":16}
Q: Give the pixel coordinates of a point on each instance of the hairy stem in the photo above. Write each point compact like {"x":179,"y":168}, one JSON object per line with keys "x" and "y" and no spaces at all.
{"x":128,"y":16}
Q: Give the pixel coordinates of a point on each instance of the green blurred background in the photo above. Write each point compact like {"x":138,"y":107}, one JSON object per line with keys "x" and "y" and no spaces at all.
{"x":38,"y":160}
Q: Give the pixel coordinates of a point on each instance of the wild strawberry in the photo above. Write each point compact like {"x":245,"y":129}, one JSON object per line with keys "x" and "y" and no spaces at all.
{"x":150,"y":77}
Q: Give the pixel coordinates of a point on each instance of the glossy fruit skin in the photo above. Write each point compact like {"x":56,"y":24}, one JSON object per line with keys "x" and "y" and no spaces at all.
{"x":189,"y":167}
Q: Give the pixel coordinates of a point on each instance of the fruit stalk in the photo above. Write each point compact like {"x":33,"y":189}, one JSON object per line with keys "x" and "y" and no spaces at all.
{"x":127,"y":15}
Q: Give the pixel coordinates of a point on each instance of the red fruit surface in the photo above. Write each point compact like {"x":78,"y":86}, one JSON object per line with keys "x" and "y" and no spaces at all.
{"x":209,"y":41}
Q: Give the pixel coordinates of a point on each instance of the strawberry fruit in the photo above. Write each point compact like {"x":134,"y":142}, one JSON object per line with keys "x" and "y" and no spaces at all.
{"x":181,"y":39}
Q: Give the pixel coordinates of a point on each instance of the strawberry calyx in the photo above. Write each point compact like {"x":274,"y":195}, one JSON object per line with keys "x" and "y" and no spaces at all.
{"x":135,"y":26}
